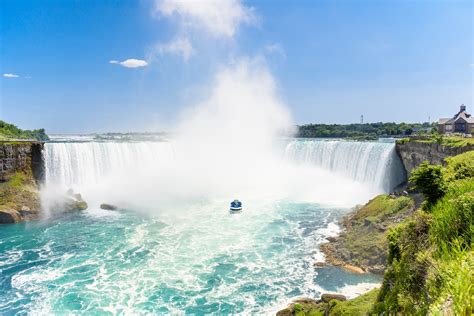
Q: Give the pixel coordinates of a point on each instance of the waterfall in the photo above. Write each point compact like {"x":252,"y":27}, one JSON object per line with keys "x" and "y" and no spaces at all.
{"x":373,"y":163}
{"x":83,"y":163}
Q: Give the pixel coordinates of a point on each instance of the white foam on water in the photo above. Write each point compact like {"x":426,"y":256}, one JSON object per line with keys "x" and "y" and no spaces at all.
{"x":352,"y":291}
{"x":226,"y":146}
{"x":332,"y":230}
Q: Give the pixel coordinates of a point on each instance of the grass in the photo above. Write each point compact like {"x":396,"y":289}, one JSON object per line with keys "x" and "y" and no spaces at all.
{"x":456,"y":141}
{"x":19,"y":191}
{"x":360,"y":305}
{"x":452,"y":279}
{"x":365,"y":237}
{"x":460,"y":166}
{"x":383,"y":206}
{"x":452,"y":141}
{"x":431,"y":259}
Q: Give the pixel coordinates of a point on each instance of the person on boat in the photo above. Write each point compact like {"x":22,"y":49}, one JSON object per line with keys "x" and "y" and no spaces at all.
{"x":236,"y":203}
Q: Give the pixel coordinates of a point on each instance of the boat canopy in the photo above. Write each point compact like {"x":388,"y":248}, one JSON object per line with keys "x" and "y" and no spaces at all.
{"x":236,"y":203}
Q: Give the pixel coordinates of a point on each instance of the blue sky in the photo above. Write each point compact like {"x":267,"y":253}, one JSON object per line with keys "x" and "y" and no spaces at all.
{"x":332,"y":60}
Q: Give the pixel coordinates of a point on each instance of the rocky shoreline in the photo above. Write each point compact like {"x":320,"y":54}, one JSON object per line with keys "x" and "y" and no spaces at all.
{"x":362,"y":245}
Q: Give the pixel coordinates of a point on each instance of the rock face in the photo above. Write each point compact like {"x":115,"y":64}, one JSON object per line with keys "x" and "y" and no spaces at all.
{"x":413,"y":153}
{"x":21,"y":170}
{"x":362,"y":247}
{"x":21,"y":157}
{"x":9,"y":216}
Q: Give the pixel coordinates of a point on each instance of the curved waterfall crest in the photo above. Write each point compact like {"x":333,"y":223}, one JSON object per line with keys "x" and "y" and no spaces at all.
{"x":83,"y":163}
{"x":374,"y":163}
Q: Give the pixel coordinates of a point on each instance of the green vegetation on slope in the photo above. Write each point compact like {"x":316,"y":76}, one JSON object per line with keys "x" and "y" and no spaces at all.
{"x":18,"y":198}
{"x":431,"y":259}
{"x":364,"y":241}
{"x":358,"y":306}
{"x":452,"y":141}
{"x":10,"y":131}
{"x":368,"y":130}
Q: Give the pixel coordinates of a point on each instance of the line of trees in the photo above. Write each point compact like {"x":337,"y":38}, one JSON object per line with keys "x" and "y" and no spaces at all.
{"x":10,"y":131}
{"x":364,"y":130}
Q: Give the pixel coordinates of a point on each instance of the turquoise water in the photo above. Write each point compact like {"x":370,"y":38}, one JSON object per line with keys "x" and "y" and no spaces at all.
{"x":198,"y":260}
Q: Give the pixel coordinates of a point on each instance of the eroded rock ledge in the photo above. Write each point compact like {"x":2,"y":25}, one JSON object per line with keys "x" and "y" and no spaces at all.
{"x":362,"y":246}
{"x":21,"y":170}
{"x":413,"y":152}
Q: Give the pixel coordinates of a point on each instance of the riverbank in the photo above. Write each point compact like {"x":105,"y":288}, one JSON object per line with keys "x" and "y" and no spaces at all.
{"x":423,"y":248}
{"x":363,"y":244}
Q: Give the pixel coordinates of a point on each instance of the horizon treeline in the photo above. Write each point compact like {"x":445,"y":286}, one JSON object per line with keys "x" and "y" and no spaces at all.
{"x":370,"y":130}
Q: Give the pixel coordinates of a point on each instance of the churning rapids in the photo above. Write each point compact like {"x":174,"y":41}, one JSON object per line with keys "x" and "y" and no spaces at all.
{"x":172,"y":247}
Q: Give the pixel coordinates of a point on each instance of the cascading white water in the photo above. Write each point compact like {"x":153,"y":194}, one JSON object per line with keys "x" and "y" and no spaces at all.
{"x":79,"y":164}
{"x":373,"y":163}
{"x":73,"y":164}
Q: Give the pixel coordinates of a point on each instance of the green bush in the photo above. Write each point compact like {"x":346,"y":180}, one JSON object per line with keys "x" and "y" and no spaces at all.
{"x":402,"y":141}
{"x":10,"y":131}
{"x":430,"y":260}
{"x":403,"y":287}
{"x":297,"y":308}
{"x":428,"y":179}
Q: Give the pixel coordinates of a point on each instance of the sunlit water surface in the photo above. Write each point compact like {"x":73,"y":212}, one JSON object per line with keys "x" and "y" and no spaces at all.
{"x":121,"y":261}
{"x":192,"y":257}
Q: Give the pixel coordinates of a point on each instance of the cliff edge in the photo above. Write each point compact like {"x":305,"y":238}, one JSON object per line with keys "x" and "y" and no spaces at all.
{"x":414,"y":151}
{"x":21,"y":170}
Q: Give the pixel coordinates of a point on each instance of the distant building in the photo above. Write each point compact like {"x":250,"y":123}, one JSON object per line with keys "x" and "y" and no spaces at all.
{"x":462,"y":122}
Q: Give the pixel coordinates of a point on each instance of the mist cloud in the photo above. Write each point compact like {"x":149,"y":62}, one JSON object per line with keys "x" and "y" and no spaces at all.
{"x":219,"y":18}
{"x":180,"y":46}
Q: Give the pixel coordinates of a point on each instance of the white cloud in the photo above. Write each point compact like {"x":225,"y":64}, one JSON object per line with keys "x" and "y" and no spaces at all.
{"x":180,"y":46}
{"x":11,"y":76}
{"x":471,"y":65}
{"x":275,"y":49}
{"x":220,"y":18}
{"x":130,"y":63}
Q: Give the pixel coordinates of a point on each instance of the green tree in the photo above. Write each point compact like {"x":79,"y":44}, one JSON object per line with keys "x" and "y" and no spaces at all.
{"x":428,"y":179}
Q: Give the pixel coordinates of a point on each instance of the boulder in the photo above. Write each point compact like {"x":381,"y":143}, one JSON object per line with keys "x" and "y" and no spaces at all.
{"x":305,"y":300}
{"x":9,"y":216}
{"x":72,"y":205}
{"x":296,"y":306}
{"x":108,"y":207}
{"x":285,"y":312}
{"x":353,"y":269}
{"x":73,"y":202}
{"x":328,"y":297}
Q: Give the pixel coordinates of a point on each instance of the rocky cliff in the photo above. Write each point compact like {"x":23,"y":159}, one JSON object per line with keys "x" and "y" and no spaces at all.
{"x":413,"y":153}
{"x":21,"y":170}
{"x":23,"y":157}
